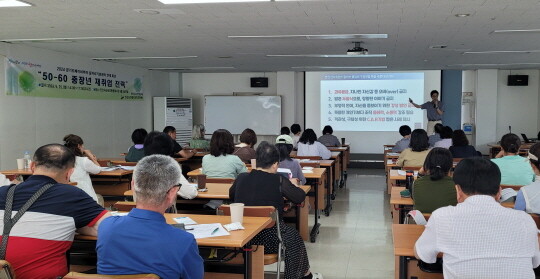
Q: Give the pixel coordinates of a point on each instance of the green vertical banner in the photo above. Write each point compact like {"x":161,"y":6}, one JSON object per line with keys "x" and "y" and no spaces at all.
{"x":25,"y":77}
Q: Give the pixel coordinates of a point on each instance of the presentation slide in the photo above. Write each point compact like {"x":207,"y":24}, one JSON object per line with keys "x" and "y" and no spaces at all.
{"x":371,"y":101}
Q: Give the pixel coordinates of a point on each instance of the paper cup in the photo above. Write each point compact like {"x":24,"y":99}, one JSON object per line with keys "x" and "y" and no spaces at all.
{"x":237,"y":212}
{"x":342,"y":141}
{"x":20,"y":164}
{"x":253,"y":164}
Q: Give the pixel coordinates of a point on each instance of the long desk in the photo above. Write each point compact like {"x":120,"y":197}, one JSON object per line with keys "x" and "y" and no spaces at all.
{"x":399,"y":204}
{"x":221,"y":191}
{"x":253,"y":259}
{"x":106,"y":183}
{"x":495,"y":148}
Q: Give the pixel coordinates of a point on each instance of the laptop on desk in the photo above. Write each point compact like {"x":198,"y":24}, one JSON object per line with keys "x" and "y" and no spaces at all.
{"x":527,"y":140}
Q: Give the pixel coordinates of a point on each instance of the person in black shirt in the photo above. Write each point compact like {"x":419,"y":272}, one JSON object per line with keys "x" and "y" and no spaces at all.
{"x":264,"y":187}
{"x":177,"y":150}
{"x":460,"y":146}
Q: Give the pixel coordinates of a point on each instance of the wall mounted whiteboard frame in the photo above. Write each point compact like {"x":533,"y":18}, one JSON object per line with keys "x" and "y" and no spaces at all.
{"x":236,"y":113}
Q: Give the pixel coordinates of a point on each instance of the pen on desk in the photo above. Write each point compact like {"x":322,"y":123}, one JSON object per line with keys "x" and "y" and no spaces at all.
{"x":215,"y":231}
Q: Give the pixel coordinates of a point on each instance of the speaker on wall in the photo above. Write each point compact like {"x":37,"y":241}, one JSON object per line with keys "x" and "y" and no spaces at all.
{"x":259,"y":82}
{"x":518,"y":80}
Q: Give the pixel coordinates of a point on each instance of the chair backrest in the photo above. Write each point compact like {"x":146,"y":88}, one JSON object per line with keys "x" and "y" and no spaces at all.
{"x":308,"y":157}
{"x":76,"y":275}
{"x":310,"y":164}
{"x":104,"y":163}
{"x":6,"y":272}
{"x":254,"y":211}
{"x":515,"y":187}
{"x":219,"y":180}
{"x":124,"y":205}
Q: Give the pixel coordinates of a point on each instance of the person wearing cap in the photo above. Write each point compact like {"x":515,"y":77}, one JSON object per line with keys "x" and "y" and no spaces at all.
{"x":528,"y":197}
{"x":284,"y":144}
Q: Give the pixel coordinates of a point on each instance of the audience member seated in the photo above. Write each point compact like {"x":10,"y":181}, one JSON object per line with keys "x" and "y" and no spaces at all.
{"x":162,"y":144}
{"x":285,"y":131}
{"x":39,"y":241}
{"x":220,"y":163}
{"x":5,"y":181}
{"x":177,"y":150}
{"x":136,"y":152}
{"x":515,"y":170}
{"x":528,"y":197}
{"x":142,"y":241}
{"x":437,"y":135}
{"x":244,"y":150}
{"x":284,"y":144}
{"x":85,"y":164}
{"x":415,"y":155}
{"x":296,"y":130}
{"x":479,"y":238}
{"x":460,"y":146}
{"x":263,"y":187}
{"x":327,"y":139}
{"x":309,"y":146}
{"x":197,"y":138}
{"x":446,"y":138}
{"x":403,"y":143}
{"x":435,"y":189}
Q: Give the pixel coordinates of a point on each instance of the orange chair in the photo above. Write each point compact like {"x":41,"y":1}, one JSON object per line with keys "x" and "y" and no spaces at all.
{"x":263,"y":211}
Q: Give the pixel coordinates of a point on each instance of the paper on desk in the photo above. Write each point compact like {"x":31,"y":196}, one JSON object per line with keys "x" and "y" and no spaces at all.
{"x":205,"y":230}
{"x":128,"y":168}
{"x":108,"y":168}
{"x":303,"y":160}
{"x":402,"y":172}
{"x":184,"y":220}
{"x":392,"y":154}
{"x":307,"y":168}
{"x":307,"y":171}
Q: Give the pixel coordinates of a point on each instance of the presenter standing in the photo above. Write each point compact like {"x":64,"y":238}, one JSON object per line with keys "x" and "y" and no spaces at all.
{"x":434,"y":109}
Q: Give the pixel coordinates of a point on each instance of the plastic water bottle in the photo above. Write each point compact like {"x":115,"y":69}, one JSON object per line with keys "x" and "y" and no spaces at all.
{"x":409,"y":181}
{"x":27,"y":160}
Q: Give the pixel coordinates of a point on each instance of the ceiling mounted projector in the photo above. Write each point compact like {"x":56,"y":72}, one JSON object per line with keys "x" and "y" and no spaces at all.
{"x":357,"y":50}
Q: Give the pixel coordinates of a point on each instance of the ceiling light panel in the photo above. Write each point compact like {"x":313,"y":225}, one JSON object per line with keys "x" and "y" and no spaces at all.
{"x":328,"y":55}
{"x":67,"y":40}
{"x":340,"y":67}
{"x":517,"y":31}
{"x":315,"y":37}
{"x":168,"y":2}
{"x":13,"y":3}
{"x":144,"y":57}
{"x":502,"y":51}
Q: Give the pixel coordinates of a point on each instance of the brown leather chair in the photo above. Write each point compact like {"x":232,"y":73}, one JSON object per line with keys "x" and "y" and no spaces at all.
{"x":77,"y":275}
{"x":263,"y":211}
{"x":124,"y":205}
{"x":5,"y":270}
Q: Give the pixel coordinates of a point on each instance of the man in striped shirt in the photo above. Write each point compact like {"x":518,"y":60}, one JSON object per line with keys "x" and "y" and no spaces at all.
{"x":39,"y":241}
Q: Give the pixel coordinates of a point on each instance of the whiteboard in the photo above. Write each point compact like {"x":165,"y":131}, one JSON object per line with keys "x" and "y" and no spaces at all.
{"x":236,"y":113}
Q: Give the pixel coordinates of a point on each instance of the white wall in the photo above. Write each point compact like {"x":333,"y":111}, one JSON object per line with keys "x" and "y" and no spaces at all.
{"x":517,"y":106}
{"x":289,"y":85}
{"x":499,"y":106}
{"x":29,"y":122}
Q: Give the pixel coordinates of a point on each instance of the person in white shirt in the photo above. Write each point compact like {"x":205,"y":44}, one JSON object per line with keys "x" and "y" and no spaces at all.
{"x":309,"y":146}
{"x":446,"y":138}
{"x":161,"y":143}
{"x":479,"y":238}
{"x":4,"y":181}
{"x":85,"y":164}
{"x":296,"y":130}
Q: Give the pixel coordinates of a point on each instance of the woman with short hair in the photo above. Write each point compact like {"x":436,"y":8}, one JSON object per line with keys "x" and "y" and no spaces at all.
{"x":515,"y":170}
{"x":244,"y":149}
{"x":284,"y":144}
{"x":309,"y":146}
{"x":136,"y":152}
{"x":460,"y":146}
{"x":327,"y":139}
{"x":415,"y":155}
{"x":221,"y":163}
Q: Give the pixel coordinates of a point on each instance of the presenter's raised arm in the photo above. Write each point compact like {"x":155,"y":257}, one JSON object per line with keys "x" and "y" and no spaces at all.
{"x":414,"y":104}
